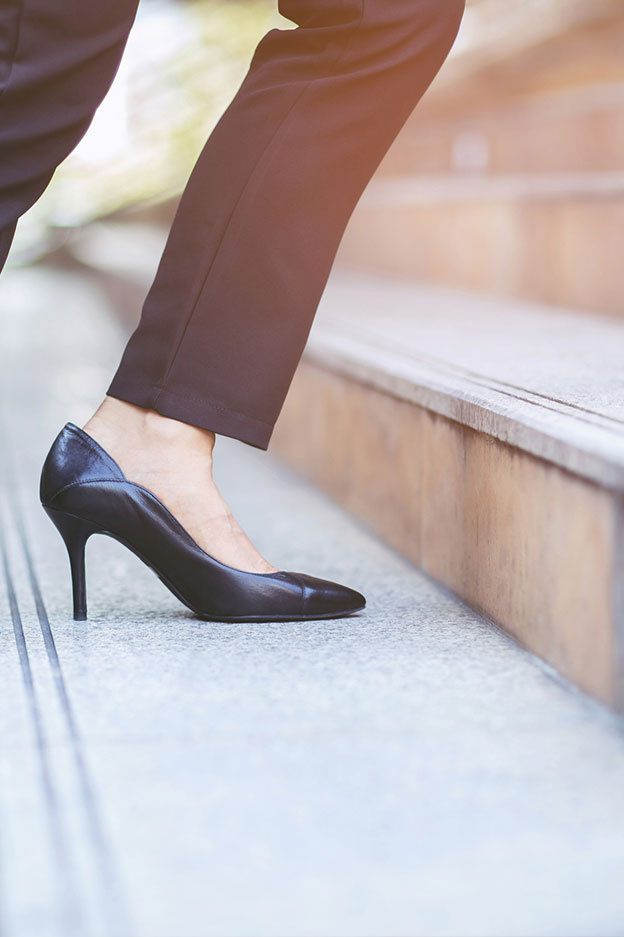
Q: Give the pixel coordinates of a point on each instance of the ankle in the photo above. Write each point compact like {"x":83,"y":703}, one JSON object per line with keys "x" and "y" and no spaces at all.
{"x":118,"y":420}
{"x":163,"y":429}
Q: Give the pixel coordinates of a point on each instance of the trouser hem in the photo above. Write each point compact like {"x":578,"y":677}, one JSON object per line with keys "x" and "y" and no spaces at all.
{"x":206,"y":414}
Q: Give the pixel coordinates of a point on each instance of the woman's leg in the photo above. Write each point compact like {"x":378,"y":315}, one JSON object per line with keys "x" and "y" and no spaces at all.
{"x":57,"y":61}
{"x":255,"y":235}
{"x":253,"y":241}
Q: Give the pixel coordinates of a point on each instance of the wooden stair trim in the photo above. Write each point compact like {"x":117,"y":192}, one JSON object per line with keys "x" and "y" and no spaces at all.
{"x":579,"y":439}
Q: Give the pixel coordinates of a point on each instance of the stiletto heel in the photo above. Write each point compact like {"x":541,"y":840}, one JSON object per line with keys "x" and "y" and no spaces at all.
{"x":75,"y":532}
{"x":84,"y":492}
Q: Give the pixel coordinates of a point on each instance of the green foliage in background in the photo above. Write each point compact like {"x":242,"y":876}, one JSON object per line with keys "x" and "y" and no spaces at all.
{"x":181,"y":68}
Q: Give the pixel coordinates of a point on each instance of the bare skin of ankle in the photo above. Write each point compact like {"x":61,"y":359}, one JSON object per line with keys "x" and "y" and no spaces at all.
{"x":174,"y":461}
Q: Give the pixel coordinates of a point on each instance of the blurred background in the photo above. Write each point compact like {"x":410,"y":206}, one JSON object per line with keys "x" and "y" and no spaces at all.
{"x":526,"y":112}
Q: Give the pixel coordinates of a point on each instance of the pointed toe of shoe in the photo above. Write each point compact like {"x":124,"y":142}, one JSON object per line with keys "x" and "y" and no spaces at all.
{"x":326,"y":599}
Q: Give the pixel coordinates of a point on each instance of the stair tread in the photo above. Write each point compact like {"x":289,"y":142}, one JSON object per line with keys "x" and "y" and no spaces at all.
{"x":547,"y":380}
{"x":432,"y":187}
{"x":492,"y":34}
{"x":545,"y":104}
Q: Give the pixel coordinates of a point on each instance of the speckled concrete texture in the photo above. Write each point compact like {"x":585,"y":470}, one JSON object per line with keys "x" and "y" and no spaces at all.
{"x":406,"y":771}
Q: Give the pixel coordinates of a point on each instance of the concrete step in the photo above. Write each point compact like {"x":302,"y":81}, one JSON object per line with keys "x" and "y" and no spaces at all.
{"x":485,"y":441}
{"x":578,"y":130}
{"x":547,"y":237}
{"x":152,"y":764}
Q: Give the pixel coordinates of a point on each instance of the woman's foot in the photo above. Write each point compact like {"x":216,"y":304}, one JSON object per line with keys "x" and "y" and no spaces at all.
{"x":174,"y":461}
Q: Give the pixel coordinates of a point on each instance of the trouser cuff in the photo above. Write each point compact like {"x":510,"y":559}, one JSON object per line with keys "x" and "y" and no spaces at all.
{"x":206,"y":414}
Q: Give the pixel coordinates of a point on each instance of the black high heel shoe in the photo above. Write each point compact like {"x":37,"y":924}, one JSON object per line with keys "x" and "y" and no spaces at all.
{"x":84,"y":492}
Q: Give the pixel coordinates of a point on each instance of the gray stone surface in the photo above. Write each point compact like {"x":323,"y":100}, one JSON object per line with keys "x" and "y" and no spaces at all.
{"x":407,"y":771}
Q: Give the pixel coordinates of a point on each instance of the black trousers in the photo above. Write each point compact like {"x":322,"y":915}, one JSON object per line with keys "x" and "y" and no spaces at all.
{"x":252,"y":244}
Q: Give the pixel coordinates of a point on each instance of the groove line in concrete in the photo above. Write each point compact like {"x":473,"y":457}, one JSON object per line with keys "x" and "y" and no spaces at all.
{"x":70,"y":910}
{"x":112,"y":900}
